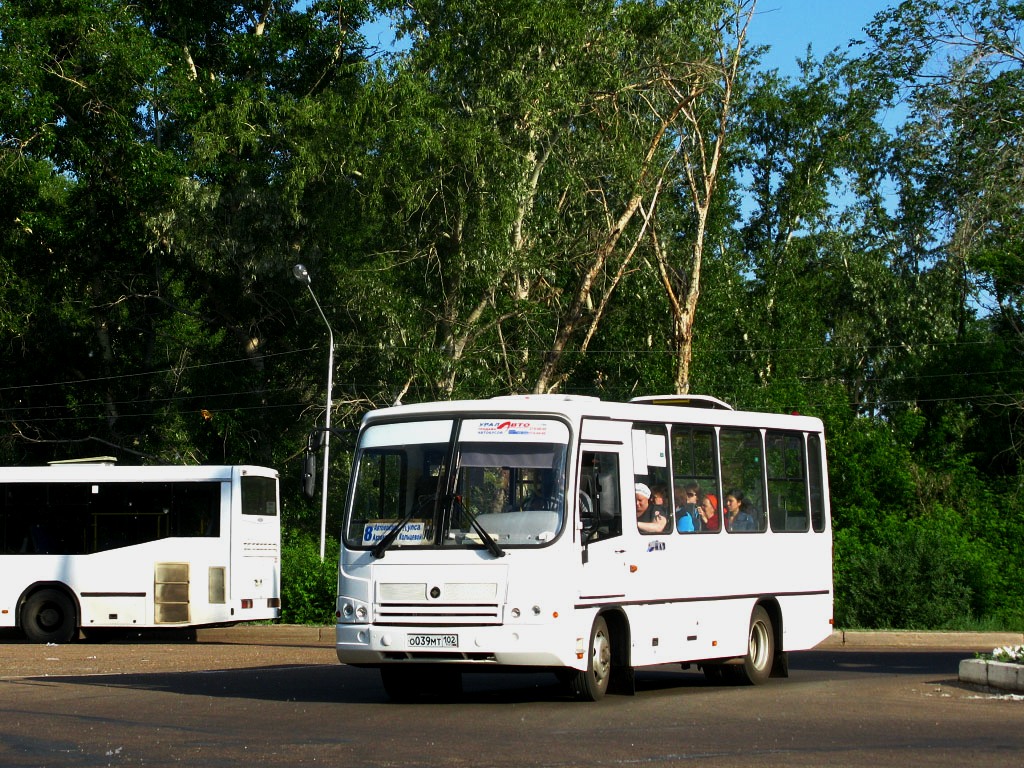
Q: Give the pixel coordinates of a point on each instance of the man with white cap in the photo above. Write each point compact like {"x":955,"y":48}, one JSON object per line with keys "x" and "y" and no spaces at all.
{"x":648,"y":520}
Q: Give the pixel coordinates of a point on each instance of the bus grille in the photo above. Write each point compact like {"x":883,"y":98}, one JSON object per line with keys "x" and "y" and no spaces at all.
{"x":438,"y":605}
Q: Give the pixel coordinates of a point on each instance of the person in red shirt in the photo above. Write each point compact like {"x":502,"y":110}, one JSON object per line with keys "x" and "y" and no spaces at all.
{"x":709,"y":513}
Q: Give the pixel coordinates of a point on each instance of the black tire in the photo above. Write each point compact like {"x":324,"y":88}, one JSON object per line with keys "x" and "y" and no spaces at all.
{"x":714,"y":673}
{"x":49,"y":616}
{"x":592,"y":683}
{"x":757,"y":664}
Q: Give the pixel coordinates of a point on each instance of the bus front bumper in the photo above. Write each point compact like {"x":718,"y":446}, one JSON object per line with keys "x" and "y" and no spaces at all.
{"x":530,"y":646}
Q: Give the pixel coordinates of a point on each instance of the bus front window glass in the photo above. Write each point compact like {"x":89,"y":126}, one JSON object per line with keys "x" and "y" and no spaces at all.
{"x":510,"y":482}
{"x":513,"y":492}
{"x":742,"y":480}
{"x":398,"y":480}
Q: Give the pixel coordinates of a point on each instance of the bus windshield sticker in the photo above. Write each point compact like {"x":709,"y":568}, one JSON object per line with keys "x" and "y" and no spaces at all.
{"x":515,"y":429}
{"x":414,"y":532}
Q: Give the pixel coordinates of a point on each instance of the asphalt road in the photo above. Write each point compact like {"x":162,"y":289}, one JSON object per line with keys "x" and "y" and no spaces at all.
{"x":277,"y":696}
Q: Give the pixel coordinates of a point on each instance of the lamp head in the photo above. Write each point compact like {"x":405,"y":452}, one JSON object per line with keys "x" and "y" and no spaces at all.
{"x":301,"y":274}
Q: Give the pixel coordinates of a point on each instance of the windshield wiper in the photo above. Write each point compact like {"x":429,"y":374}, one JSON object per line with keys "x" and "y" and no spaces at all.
{"x":392,"y":534}
{"x":492,"y":546}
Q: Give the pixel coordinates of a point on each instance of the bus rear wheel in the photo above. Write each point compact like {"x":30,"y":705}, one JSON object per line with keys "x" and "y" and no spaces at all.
{"x":592,"y":683}
{"x":757,"y":664}
{"x":48,"y":616}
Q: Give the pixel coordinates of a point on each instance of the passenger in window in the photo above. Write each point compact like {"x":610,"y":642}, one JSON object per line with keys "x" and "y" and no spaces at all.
{"x":737,"y":513}
{"x":661,"y":505}
{"x":708,"y":512}
{"x":648,"y":519}
{"x":687,"y":511}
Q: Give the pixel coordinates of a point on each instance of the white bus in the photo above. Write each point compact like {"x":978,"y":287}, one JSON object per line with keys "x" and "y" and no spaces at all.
{"x":507,"y":533}
{"x":92,"y":545}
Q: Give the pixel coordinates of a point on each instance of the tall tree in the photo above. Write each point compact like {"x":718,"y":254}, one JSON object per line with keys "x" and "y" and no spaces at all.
{"x":960,"y":69}
{"x":150,"y":150}
{"x":525,"y":156}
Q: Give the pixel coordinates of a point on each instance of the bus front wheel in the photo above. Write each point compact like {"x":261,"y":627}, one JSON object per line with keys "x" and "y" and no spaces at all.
{"x":592,"y":683}
{"x":48,"y":616}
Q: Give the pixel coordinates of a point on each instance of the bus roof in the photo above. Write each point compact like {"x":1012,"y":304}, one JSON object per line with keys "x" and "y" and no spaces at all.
{"x":108,"y":472}
{"x":700,"y":409}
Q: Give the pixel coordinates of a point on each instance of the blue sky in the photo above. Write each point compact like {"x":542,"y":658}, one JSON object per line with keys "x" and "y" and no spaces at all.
{"x":788,"y":26}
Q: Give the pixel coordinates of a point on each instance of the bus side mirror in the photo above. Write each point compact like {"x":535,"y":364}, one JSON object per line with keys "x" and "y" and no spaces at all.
{"x":309,"y":475}
{"x":309,"y":467}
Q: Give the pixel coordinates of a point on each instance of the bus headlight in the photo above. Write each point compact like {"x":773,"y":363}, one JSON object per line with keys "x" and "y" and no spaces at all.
{"x":352,"y":611}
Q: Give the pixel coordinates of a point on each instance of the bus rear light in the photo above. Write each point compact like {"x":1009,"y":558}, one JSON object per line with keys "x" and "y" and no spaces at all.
{"x":273,"y":602}
{"x":247,"y":603}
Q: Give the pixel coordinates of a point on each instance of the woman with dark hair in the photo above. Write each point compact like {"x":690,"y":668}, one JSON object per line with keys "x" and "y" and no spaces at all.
{"x":737,"y":515}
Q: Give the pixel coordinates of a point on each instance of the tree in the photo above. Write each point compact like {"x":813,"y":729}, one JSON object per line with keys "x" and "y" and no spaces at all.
{"x":959,"y":67}
{"x":150,"y":150}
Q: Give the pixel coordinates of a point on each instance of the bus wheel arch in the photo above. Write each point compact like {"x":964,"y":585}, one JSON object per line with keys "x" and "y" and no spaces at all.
{"x":608,"y":664}
{"x":48,"y":613}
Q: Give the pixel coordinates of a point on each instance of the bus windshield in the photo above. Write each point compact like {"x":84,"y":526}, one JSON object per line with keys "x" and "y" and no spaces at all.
{"x":459,"y":483}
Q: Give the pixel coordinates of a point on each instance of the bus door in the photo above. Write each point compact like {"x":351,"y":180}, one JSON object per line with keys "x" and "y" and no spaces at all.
{"x":604,"y":508}
{"x":255,"y":544}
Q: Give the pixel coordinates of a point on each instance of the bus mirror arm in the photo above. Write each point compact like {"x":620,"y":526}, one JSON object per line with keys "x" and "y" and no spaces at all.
{"x":314,"y":442}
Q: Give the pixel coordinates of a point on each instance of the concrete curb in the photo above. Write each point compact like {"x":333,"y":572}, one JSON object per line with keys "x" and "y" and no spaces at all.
{"x":999,"y":675}
{"x":952,"y":641}
{"x":268,"y":634}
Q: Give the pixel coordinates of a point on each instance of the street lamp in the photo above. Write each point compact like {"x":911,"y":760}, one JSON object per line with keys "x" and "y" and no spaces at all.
{"x":302,"y":275}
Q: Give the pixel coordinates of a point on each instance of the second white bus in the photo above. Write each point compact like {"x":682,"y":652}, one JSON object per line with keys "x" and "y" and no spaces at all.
{"x":521,"y":532}
{"x":91,"y":546}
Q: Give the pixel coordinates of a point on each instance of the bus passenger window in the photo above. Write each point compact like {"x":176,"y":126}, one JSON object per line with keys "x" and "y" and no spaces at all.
{"x":695,"y":478}
{"x":787,"y":485}
{"x":654,"y":511}
{"x":742,"y":459}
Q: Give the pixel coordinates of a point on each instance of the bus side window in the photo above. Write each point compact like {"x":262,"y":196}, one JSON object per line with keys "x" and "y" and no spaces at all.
{"x":742,"y":460}
{"x":694,"y":467}
{"x":816,"y":482}
{"x":787,"y":486}
{"x":599,"y":489}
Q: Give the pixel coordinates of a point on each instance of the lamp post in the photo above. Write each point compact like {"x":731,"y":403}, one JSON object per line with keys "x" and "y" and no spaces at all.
{"x":302,"y":275}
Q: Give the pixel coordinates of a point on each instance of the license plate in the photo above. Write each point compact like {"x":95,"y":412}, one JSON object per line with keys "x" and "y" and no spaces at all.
{"x":433,"y":641}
